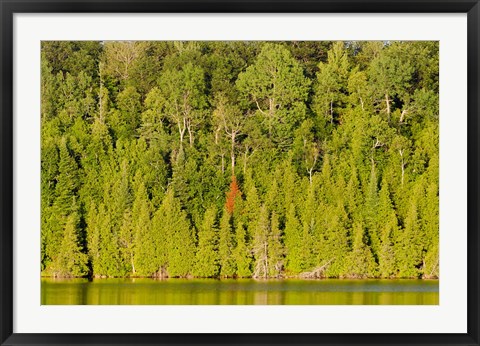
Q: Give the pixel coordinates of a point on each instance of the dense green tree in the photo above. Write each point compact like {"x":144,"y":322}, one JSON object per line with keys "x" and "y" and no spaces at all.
{"x":309,"y":219}
{"x":277,"y":88}
{"x":331,"y":81}
{"x":125,"y":119}
{"x":64,"y":197}
{"x":142,"y":239}
{"x":226,"y":246}
{"x":180,"y":242}
{"x":390,"y":75}
{"x":184,"y":99}
{"x":275,"y":247}
{"x":388,"y":226}
{"x":411,"y":248}
{"x":207,"y":261}
{"x":309,"y":54}
{"x":360,"y":262}
{"x":103,"y":244}
{"x":241,"y":253}
{"x":72,"y":56}
{"x":293,"y":242}
{"x":67,"y":180}
{"x":70,"y":259}
{"x":261,"y":244}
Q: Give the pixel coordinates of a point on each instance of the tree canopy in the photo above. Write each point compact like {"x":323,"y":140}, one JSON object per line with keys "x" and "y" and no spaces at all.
{"x":240,"y":159}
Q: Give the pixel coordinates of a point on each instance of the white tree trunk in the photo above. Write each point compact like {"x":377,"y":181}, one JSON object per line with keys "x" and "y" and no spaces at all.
{"x":387,"y":100}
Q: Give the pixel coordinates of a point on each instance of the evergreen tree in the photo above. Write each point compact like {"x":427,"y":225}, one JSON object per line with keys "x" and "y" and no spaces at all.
{"x":70,"y":260}
{"x":232,"y":196}
{"x":275,"y":248}
{"x":411,"y":248}
{"x":242,"y":255}
{"x":389,"y":231}
{"x":226,"y":246}
{"x":142,"y":238}
{"x":293,"y":242}
{"x":104,"y":247}
{"x":64,"y":204}
{"x":309,"y":222}
{"x":180,"y":245}
{"x":260,"y":245}
{"x":207,"y":261}
{"x":360,"y":263}
{"x":430,"y":223}
{"x":372,"y":220}
{"x":67,"y":181}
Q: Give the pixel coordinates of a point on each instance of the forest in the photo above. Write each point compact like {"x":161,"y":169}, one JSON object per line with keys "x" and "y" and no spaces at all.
{"x":240,"y":159}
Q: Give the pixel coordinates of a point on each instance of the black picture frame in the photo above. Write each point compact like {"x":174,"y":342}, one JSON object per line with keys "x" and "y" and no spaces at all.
{"x":9,"y":7}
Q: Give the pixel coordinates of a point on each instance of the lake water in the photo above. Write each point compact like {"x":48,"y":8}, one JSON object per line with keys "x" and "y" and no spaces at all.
{"x":235,"y":292}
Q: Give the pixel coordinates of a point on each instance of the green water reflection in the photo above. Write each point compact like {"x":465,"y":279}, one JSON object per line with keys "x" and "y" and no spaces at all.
{"x":238,"y":292}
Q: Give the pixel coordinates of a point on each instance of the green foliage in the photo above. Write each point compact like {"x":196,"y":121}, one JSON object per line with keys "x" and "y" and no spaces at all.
{"x":276,"y":87}
{"x":70,"y":261}
{"x":330,"y":85}
{"x":275,"y":247}
{"x":125,"y":119}
{"x":293,"y":242}
{"x":207,"y":255}
{"x":180,"y":245}
{"x":226,"y":246}
{"x":141,"y":241}
{"x":360,"y":262}
{"x":240,"y":159}
{"x":388,"y":226}
{"x":72,"y":56}
{"x":242,"y":254}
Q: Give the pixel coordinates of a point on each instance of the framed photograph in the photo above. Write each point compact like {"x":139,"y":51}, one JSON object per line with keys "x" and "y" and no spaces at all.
{"x":237,"y":172}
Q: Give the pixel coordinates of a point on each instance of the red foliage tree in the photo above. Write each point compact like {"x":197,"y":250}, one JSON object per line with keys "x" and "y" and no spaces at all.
{"x":232,"y":195}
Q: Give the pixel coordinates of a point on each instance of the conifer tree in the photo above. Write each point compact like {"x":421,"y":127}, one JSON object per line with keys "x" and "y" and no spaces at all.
{"x":372,"y":221}
{"x":127,"y":242}
{"x":70,"y":260}
{"x":226,"y":246}
{"x":55,"y":217}
{"x":180,"y":246}
{"x":389,"y":231}
{"x":275,"y":248}
{"x":232,"y":196}
{"x":260,"y":244}
{"x":309,"y":222}
{"x":333,"y":240}
{"x":430,"y":223}
{"x":242,"y":255}
{"x":293,"y":242}
{"x":410,"y":250}
{"x":109,"y":262}
{"x":206,"y":260}
{"x":142,"y":238}
{"x":159,"y":246}
{"x":360,"y":263}
{"x":251,"y":207}
{"x":67,"y":181}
